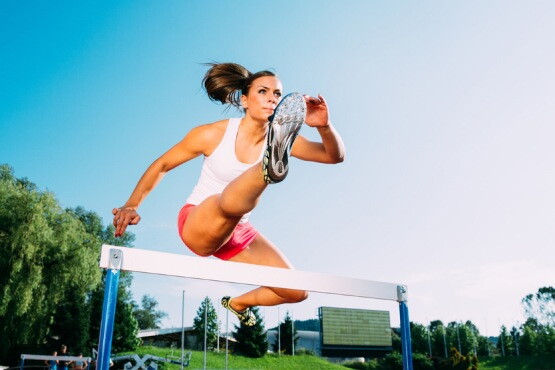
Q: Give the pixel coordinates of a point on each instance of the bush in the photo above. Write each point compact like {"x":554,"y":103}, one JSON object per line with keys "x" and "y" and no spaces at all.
{"x":304,"y":351}
{"x":356,"y":365}
{"x":422,"y":362}
{"x":393,"y":360}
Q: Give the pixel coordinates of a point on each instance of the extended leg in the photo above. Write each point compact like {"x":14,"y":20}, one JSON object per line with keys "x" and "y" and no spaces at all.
{"x":263,"y":252}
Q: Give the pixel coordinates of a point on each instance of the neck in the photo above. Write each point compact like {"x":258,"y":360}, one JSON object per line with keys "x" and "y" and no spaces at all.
{"x":255,"y":129}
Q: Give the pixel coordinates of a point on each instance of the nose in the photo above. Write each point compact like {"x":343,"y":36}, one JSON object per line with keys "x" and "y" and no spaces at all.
{"x":272,"y":99}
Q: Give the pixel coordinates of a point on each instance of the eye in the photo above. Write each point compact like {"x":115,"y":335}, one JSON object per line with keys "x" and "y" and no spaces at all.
{"x":278,"y":94}
{"x":262,"y":91}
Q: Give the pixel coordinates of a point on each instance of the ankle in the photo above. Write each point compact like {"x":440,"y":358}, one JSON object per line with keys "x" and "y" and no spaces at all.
{"x":237,"y":307}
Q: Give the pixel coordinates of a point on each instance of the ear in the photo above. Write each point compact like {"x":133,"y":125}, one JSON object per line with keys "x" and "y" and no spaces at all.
{"x":244,"y":101}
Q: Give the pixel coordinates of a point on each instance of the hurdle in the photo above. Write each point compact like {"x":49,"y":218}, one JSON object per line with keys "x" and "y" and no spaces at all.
{"x":116,"y":259}
{"x":28,"y":357}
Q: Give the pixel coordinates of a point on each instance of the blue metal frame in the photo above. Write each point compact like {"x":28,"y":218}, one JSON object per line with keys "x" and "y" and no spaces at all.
{"x":405,"y":336}
{"x":108,"y":311}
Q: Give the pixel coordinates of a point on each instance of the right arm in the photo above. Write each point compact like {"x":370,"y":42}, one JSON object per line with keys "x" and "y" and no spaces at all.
{"x":196,"y":142}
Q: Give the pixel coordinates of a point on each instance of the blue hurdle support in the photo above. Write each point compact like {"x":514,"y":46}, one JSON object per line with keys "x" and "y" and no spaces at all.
{"x":406,"y":347}
{"x":109,"y":309}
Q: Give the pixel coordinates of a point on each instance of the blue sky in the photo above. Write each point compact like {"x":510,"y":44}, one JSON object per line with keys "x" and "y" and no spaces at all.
{"x":446,"y":110}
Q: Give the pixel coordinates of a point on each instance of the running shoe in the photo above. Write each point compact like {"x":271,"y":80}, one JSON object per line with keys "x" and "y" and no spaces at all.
{"x":284,"y":127}
{"x":246,"y":317}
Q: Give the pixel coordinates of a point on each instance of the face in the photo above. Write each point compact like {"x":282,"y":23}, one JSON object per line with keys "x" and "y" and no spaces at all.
{"x":262,"y":98}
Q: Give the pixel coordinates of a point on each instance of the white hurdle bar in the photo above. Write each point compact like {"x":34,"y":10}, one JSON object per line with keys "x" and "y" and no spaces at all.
{"x":27,"y":357}
{"x":115,"y":259}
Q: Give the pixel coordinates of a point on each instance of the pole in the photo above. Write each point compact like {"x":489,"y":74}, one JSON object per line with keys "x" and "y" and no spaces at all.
{"x":109,"y":310}
{"x":405,"y":336}
{"x":444,"y":341}
{"x":487,"y":336}
{"x":182,"y":328}
{"x":429,"y":341}
{"x":459,"y":339}
{"x":226,"y":335}
{"x":205,"y":327}
{"x":515,"y":335}
{"x":218,"y":326}
{"x":292,"y":334}
{"x":405,"y":327}
{"x":501,"y":337}
{"x":279,"y":333}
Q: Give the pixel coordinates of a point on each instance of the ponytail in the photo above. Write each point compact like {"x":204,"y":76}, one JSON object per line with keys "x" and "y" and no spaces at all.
{"x":226,"y":82}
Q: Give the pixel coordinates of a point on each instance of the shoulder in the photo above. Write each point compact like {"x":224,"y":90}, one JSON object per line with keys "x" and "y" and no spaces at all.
{"x":207,"y":136}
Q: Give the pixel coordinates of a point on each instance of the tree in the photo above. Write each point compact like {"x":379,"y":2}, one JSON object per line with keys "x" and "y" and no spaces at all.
{"x":462,"y":337}
{"x":126,"y":327}
{"x":212,"y":324}
{"x":46,"y":258}
{"x":288,"y":336}
{"x":505,"y":342}
{"x":439,"y":340}
{"x":251,"y":340}
{"x":541,"y":305}
{"x":147,"y":316}
{"x":484,"y":347}
{"x":419,"y":338}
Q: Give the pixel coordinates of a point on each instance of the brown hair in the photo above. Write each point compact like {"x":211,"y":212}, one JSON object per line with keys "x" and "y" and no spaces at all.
{"x":226,"y":82}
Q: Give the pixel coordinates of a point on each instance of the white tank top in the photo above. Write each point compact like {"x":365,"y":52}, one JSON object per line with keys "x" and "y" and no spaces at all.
{"x":221,"y":167}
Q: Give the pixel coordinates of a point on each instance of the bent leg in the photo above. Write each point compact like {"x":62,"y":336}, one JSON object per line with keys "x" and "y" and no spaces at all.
{"x":263,"y":252}
{"x":211,"y":223}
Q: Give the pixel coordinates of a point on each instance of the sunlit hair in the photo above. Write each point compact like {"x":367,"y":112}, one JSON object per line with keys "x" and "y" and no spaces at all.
{"x":226,"y":82}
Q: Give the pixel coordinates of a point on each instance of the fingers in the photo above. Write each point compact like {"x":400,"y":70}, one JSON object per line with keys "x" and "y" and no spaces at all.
{"x":312,"y":100}
{"x":135,"y":220}
{"x":322,"y":100}
{"x":123,"y":218}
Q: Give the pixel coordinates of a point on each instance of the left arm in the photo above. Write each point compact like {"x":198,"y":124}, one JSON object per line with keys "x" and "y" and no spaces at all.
{"x":331,"y":149}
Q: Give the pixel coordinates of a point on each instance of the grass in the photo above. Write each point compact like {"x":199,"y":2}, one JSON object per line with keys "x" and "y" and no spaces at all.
{"x":546,"y":362}
{"x":217,"y":360}
{"x":272,"y":361}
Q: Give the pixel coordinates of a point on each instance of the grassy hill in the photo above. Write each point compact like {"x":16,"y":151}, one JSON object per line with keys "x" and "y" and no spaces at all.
{"x":217,"y":360}
{"x":519,"y":363}
{"x":271,"y":361}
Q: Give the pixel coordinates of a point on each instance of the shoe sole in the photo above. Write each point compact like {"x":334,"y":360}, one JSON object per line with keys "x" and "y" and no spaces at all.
{"x":284,"y":127}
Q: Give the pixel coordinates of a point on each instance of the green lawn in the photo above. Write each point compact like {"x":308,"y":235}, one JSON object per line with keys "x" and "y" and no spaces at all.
{"x":217,"y":360}
{"x":519,"y":363}
{"x":271,"y":361}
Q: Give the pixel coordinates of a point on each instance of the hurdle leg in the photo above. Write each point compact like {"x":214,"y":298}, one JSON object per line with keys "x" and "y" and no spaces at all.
{"x":109,"y":310}
{"x":405,"y":327}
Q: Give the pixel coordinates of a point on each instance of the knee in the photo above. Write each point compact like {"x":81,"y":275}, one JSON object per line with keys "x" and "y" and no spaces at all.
{"x":298,"y":296}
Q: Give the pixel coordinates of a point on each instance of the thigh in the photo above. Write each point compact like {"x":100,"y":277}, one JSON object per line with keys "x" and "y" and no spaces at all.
{"x":206,"y":229}
{"x":263,"y":252}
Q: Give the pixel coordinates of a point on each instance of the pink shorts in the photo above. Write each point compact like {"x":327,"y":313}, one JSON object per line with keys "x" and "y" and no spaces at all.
{"x":242,"y":236}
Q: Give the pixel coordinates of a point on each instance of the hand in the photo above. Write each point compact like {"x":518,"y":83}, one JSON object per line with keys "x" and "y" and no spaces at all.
{"x":316,"y":111}
{"x":123,"y":217}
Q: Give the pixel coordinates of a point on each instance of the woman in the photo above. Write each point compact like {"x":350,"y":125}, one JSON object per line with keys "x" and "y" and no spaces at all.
{"x":242,"y":156}
{"x":52,"y":364}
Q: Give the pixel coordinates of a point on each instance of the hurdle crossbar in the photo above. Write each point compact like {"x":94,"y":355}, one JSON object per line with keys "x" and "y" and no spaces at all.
{"x":137,"y":260}
{"x":159,"y":263}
